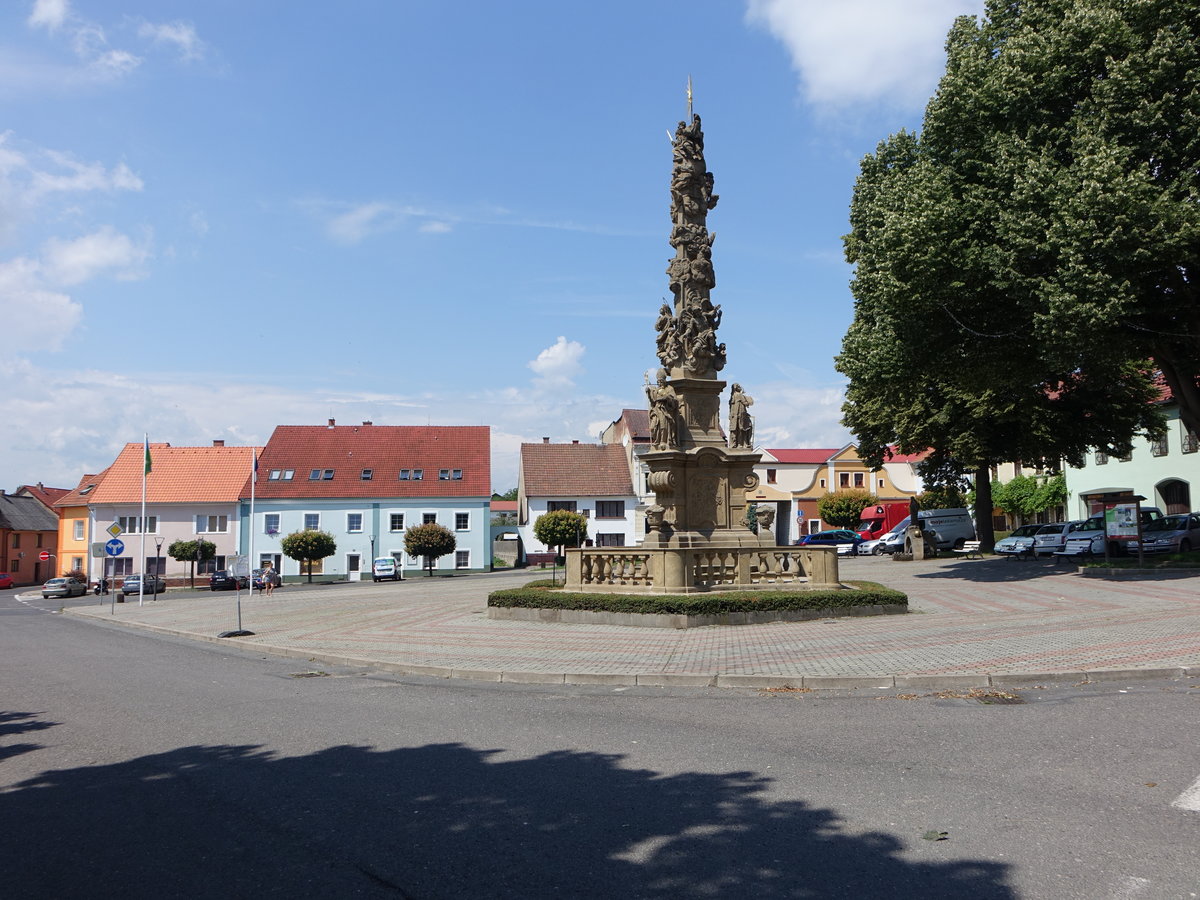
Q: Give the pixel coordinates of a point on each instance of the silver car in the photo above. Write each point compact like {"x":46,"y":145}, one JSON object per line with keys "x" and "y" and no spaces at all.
{"x":1054,"y":537}
{"x":1172,"y":534}
{"x":133,"y":585}
{"x":63,"y":587}
{"x":1019,"y":542}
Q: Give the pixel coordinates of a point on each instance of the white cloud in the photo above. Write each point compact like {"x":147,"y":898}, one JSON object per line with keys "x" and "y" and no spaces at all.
{"x":557,"y":366}
{"x":863,"y":51}
{"x":32,"y":313}
{"x":181,"y":35}
{"x":106,"y":250}
{"x":436,"y":227}
{"x":368,"y":218}
{"x":48,"y":14}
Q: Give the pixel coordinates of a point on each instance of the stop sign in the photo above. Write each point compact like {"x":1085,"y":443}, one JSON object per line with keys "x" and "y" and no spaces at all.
{"x":44,"y":555}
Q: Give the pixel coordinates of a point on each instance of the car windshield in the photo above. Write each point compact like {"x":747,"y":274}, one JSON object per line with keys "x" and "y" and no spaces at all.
{"x":1051,"y":529}
{"x":57,"y":581}
{"x":1168,"y":523}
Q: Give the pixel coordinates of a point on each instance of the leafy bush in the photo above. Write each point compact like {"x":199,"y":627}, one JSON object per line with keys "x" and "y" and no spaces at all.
{"x":542,"y":595}
{"x":843,"y":509}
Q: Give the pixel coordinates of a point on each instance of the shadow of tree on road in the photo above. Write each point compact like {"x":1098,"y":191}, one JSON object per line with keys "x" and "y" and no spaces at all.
{"x":445,"y":821}
{"x":20,"y":723}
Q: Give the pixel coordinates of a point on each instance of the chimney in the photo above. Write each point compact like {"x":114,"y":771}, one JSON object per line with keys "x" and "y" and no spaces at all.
{"x":574,"y":442}
{"x":545,"y":440}
{"x":331,"y":423}
{"x":218,"y":443}
{"x":368,"y":422}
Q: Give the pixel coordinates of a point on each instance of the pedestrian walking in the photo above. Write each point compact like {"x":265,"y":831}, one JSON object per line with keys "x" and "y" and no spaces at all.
{"x":268,"y":580}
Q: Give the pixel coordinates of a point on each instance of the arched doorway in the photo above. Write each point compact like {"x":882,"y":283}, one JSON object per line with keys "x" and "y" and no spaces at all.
{"x":1175,"y":496}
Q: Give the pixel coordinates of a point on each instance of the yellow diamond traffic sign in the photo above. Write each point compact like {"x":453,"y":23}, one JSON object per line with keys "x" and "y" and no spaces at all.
{"x":114,"y":529}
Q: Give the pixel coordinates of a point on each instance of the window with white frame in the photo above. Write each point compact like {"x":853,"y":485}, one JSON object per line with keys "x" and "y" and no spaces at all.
{"x":133,"y":524}
{"x":462,"y":521}
{"x":556,"y":505}
{"x":312,"y":521}
{"x":78,"y":529}
{"x":396,"y":522}
{"x":76,"y":563}
{"x":610,"y":509}
{"x":1189,"y":442}
{"x":212,"y":524}
{"x":610,"y":539}
{"x":208,"y":566}
{"x":462,"y":559}
{"x":443,"y":474}
{"x":429,"y":518}
{"x":122,"y":565}
{"x":271,"y":523}
{"x":354,"y":522}
{"x":281,"y":475}
{"x":456,"y":474}
{"x":367,"y":474}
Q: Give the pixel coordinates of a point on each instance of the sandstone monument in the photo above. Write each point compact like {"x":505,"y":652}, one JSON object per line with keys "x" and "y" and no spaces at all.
{"x":697,"y":535}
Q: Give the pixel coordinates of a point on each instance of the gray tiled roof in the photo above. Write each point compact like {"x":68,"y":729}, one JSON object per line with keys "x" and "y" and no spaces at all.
{"x":26,"y":514}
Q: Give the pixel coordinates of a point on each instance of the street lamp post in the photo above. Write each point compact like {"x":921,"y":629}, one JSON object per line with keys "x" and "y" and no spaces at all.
{"x":158,"y":542}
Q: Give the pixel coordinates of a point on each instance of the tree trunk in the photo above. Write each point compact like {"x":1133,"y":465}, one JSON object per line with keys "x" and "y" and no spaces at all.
{"x":984,"y":527}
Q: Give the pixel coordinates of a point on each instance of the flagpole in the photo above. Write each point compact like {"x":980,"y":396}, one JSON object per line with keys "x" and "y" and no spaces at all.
{"x":145,"y":472}
{"x":253,"y":485}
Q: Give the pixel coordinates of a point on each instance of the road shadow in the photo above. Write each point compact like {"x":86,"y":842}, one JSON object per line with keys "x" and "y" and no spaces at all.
{"x":20,"y":723}
{"x":998,"y":570}
{"x":446,"y":821}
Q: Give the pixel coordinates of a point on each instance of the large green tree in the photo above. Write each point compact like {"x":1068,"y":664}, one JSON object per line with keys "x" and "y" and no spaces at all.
{"x":308,"y":546}
{"x":560,"y":528}
{"x":985,"y":327}
{"x":429,"y":541}
{"x":192,"y":552}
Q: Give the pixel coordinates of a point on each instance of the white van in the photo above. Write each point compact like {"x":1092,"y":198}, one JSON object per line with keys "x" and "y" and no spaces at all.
{"x":385,"y":568}
{"x":952,"y":526}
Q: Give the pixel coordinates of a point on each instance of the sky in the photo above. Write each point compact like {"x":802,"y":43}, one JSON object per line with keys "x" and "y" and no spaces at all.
{"x":219,"y":216}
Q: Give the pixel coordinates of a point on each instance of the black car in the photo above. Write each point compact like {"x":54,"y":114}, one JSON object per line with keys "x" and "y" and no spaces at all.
{"x":224,"y":580}
{"x":844,"y":539}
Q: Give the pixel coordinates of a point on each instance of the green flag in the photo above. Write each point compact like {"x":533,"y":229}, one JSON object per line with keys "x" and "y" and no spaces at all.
{"x":147,"y":455}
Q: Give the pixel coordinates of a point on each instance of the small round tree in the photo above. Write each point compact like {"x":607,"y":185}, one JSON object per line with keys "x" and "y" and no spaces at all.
{"x":561,"y":528}
{"x":843,"y":509}
{"x":308,"y":546}
{"x":192,"y":552}
{"x":429,"y":541}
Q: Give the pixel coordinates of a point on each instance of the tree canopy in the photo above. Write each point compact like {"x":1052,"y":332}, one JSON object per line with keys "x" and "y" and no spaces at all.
{"x":1027,"y":262}
{"x":186,"y":551}
{"x":429,"y":541}
{"x":560,"y":528}
{"x":308,"y":546}
{"x":843,"y":509}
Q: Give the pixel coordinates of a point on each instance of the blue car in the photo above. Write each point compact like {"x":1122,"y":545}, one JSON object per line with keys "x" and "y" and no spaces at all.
{"x":844,"y":539}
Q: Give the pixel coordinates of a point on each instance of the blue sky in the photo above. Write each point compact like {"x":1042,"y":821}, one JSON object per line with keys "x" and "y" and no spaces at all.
{"x":219,"y":216}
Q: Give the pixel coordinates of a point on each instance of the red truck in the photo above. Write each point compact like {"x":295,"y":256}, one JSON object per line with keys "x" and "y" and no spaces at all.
{"x":878,"y":520}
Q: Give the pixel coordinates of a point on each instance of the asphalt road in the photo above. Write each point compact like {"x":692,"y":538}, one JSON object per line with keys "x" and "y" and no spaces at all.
{"x":136,"y":765}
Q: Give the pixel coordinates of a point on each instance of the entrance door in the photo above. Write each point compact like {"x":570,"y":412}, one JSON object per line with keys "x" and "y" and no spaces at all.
{"x":353,"y":566}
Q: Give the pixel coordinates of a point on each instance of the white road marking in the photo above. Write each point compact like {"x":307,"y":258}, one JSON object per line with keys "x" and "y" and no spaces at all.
{"x":1189,"y":799}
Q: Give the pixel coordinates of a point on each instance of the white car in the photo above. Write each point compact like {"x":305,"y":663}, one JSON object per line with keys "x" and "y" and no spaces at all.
{"x":1054,"y":537}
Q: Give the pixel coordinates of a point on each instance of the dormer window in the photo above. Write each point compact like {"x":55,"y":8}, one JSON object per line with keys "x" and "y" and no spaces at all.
{"x":456,"y":474}
{"x":443,"y":475}
{"x":367,"y":474}
{"x":320,"y":475}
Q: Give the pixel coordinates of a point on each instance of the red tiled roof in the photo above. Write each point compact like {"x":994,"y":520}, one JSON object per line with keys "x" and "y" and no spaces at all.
{"x":48,"y":496}
{"x":803,"y":455}
{"x":76,"y":497}
{"x":386,"y":450}
{"x":638,"y":423}
{"x":575,"y":470}
{"x":178,"y":475}
{"x":504,"y":506}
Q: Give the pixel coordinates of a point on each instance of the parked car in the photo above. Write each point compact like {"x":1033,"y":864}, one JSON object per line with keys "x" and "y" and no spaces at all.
{"x":385,"y":568}
{"x":133,"y":585}
{"x":1093,"y":528}
{"x":64,"y":587}
{"x":224,"y":580}
{"x":6,"y":580}
{"x":1019,"y":542}
{"x":1054,"y":537}
{"x":1172,"y":534}
{"x":844,"y":539}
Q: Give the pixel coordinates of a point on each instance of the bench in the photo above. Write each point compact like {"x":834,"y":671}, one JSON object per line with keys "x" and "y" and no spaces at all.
{"x":540,"y":559}
{"x":1075,"y":548}
{"x":969,"y":549}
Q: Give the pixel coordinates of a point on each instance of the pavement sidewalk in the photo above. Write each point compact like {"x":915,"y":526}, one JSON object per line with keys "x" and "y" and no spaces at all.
{"x":972,"y":623}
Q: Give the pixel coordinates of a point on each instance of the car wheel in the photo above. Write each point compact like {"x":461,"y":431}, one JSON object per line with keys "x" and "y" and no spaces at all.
{"x":959,"y":544}
{"x":877,"y":551}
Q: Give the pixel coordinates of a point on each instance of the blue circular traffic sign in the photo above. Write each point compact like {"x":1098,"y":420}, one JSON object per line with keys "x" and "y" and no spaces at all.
{"x":114,"y":547}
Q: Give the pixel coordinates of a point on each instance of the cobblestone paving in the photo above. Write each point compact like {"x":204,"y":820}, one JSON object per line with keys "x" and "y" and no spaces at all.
{"x":968,"y":617}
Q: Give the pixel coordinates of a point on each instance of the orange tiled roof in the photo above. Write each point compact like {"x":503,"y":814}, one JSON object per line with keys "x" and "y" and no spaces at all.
{"x":47,"y":495}
{"x":82,"y":494}
{"x":178,"y":475}
{"x":575,"y":470}
{"x":385,"y":449}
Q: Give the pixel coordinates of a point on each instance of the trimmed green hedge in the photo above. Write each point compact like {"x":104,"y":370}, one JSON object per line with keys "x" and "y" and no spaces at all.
{"x":544,"y":595}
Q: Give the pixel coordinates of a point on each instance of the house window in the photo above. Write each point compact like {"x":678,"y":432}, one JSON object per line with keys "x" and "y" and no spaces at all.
{"x":312,"y":521}
{"x":315,"y":567}
{"x":212,"y":524}
{"x":353,"y":522}
{"x":275,"y":473}
{"x":859,"y":479}
{"x":556,"y":505}
{"x":1190,"y":444}
{"x":155,"y":565}
{"x":288,"y":473}
{"x":822,"y":482}
{"x":429,"y":518}
{"x":122,"y":566}
{"x":406,"y":474}
{"x":132,"y":524}
{"x":881,"y":482}
{"x":1126,"y":456}
{"x":462,"y":521}
{"x":1101,"y":458}
{"x":396,"y":522}
{"x":610,"y":509}
{"x":39,"y":537}
{"x":320,"y":475}
{"x":771,"y":475}
{"x":610,"y":540}
{"x":462,"y":559}
{"x":844,"y":479}
{"x":1159,"y":448}
{"x":418,"y":474}
{"x":456,"y":474}
{"x":78,"y":529}
{"x":208,"y":566}
{"x":443,"y":474}
{"x":76,"y":563}
{"x":16,"y":541}
{"x":367,"y":474}
{"x":15,"y":565}
{"x":271,"y":523}
{"x":412,"y":474}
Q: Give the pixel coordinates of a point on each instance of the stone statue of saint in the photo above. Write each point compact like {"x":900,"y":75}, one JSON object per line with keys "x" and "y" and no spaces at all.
{"x":765,"y":514}
{"x":667,"y":341}
{"x":741,"y":425}
{"x":664,"y":414}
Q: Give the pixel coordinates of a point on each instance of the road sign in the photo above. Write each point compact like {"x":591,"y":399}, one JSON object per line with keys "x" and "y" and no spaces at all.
{"x":115,"y":530}
{"x":44,"y":555}
{"x":98,"y":548}
{"x":114,"y":547}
